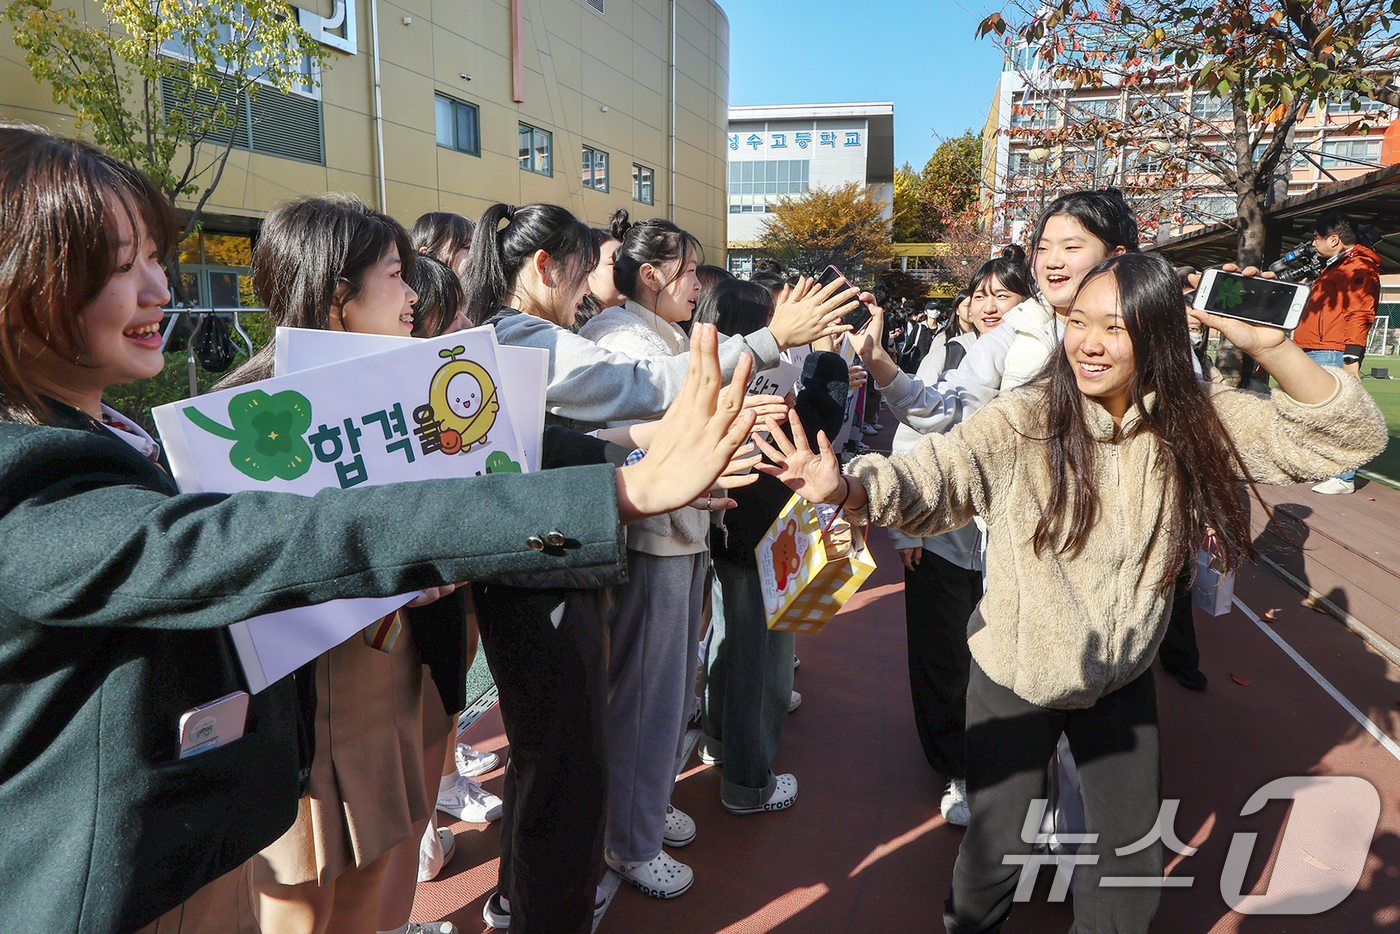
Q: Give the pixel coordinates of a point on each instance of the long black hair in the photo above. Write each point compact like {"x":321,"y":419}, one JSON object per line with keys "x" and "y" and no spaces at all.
{"x":1197,"y":456}
{"x":735,"y":306}
{"x":440,"y":234}
{"x":498,"y":253}
{"x":307,"y":249}
{"x":656,"y":241}
{"x":440,"y":297}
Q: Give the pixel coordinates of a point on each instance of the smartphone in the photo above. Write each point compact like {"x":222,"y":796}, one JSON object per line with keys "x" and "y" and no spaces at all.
{"x":214,"y":724}
{"x":858,"y":316}
{"x":1270,"y":302}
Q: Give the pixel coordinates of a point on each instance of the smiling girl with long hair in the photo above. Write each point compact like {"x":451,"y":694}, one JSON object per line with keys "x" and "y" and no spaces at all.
{"x":1096,"y":482}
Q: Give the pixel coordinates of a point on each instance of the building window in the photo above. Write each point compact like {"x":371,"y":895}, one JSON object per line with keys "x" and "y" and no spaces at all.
{"x":596,"y":4}
{"x":1354,"y":103}
{"x":458,"y":125}
{"x":272,"y":122}
{"x":216,"y":271}
{"x":643,"y":186}
{"x":536,"y":150}
{"x":1105,"y":108}
{"x":1362,"y":150}
{"x":595,"y":169}
{"x":1206,"y":106}
{"x":754,"y":187}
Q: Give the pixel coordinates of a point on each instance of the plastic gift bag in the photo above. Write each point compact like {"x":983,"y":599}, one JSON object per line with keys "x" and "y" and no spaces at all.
{"x":810,"y":562}
{"x":1214,"y":587}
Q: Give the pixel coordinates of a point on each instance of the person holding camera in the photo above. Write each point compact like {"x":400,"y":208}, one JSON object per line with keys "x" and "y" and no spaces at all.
{"x":1340,"y":309}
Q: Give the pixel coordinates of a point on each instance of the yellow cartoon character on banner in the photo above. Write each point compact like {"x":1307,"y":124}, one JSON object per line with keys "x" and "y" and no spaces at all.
{"x":463,"y":398}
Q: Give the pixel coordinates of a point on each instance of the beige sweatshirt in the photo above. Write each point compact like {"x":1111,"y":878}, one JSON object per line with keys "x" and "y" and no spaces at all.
{"x":1063,"y":631}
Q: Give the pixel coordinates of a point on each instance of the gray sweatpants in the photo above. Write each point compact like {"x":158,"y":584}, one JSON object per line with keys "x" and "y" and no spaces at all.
{"x":654,"y":633}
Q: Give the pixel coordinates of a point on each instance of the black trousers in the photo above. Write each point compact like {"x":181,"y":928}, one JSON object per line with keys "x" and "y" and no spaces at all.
{"x":1179,"y":651}
{"x":552,"y":683}
{"x":1009,"y":741}
{"x":939,"y":598}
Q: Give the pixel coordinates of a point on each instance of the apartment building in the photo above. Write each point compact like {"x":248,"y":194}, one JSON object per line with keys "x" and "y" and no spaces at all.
{"x":1020,"y":176}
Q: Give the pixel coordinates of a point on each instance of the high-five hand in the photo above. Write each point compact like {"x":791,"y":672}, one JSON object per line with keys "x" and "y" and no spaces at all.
{"x":696,"y":439}
{"x":815,"y":476}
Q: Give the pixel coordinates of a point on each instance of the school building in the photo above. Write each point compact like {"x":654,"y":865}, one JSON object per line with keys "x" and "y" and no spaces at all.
{"x":591,"y":104}
{"x":786,"y":149}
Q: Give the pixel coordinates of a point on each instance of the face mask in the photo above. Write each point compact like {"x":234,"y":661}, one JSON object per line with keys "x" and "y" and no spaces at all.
{"x":1196,"y":338}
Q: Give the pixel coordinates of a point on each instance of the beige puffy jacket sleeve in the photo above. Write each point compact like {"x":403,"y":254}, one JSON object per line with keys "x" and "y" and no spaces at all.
{"x":1283,"y":441}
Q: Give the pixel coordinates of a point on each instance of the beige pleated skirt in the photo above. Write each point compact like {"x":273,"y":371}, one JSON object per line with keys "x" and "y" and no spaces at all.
{"x":367,"y":782}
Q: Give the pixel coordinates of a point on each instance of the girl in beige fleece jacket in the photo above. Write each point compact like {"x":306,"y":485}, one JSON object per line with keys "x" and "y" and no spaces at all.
{"x":1080,"y":574}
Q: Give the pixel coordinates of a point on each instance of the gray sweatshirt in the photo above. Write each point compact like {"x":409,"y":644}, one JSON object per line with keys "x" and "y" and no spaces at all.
{"x":593,"y":385}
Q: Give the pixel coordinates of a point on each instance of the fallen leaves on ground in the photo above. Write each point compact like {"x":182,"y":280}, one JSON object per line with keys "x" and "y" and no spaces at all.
{"x":1238,"y":680}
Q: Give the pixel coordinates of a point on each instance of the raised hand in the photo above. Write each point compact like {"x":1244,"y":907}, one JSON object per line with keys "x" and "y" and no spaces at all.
{"x":695,"y":440}
{"x":815,"y":476}
{"x":1252,"y":339}
{"x":806,"y":313}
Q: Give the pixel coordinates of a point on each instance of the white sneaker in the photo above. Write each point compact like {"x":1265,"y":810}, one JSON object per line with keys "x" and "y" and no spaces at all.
{"x":467,"y":800}
{"x":1334,"y":485}
{"x":680,"y":828}
{"x":434,"y":851}
{"x":660,"y":877}
{"x":954,"y":803}
{"x":794,"y":701}
{"x":471,"y":763}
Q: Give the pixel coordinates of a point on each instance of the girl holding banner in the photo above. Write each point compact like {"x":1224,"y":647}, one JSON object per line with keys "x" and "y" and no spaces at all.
{"x":116,"y":590}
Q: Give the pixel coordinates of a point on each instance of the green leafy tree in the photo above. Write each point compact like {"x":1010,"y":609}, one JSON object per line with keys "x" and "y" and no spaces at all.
{"x":952,"y":180}
{"x":164,"y":84}
{"x":843,"y":227}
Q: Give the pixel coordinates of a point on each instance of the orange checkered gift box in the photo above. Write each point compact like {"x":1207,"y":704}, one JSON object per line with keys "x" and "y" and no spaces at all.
{"x":810,"y":562}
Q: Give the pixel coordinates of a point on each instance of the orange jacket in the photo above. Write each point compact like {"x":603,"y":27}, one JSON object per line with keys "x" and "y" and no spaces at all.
{"x":1342,"y":304}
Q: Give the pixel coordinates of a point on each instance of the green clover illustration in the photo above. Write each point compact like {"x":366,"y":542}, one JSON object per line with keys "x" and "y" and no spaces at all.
{"x":500,"y":462}
{"x":1231,"y":293}
{"x":267,"y":433}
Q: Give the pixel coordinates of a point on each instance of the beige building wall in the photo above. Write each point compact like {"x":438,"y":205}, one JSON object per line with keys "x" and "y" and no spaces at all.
{"x":598,"y":80}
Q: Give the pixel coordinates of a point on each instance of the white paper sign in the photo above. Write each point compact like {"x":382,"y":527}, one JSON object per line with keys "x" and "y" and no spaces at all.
{"x":524,"y":373}
{"x":428,"y":410}
{"x":777,"y":380}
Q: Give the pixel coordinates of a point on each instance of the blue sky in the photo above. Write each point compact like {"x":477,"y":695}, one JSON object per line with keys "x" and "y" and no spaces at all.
{"x":921,"y":54}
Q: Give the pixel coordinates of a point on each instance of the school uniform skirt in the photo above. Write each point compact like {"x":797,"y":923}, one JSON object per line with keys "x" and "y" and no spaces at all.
{"x":367,"y":784}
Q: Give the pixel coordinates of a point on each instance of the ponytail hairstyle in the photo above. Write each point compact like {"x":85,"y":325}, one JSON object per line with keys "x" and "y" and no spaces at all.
{"x":1009,"y":269}
{"x":735,"y":306}
{"x":60,"y":200}
{"x":1104,"y":213}
{"x":1196,"y":453}
{"x":499,"y":253}
{"x":440,"y":234}
{"x":306,"y":250}
{"x":656,"y":241}
{"x":440,"y":297}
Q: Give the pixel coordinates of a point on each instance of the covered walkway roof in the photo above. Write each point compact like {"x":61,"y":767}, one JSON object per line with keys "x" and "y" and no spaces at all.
{"x":1373,"y":198}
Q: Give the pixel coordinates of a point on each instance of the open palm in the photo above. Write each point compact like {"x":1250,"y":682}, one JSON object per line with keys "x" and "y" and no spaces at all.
{"x":813,"y":475}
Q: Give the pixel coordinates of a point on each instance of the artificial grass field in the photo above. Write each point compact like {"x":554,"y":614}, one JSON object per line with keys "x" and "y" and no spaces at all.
{"x":1386,"y":392}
